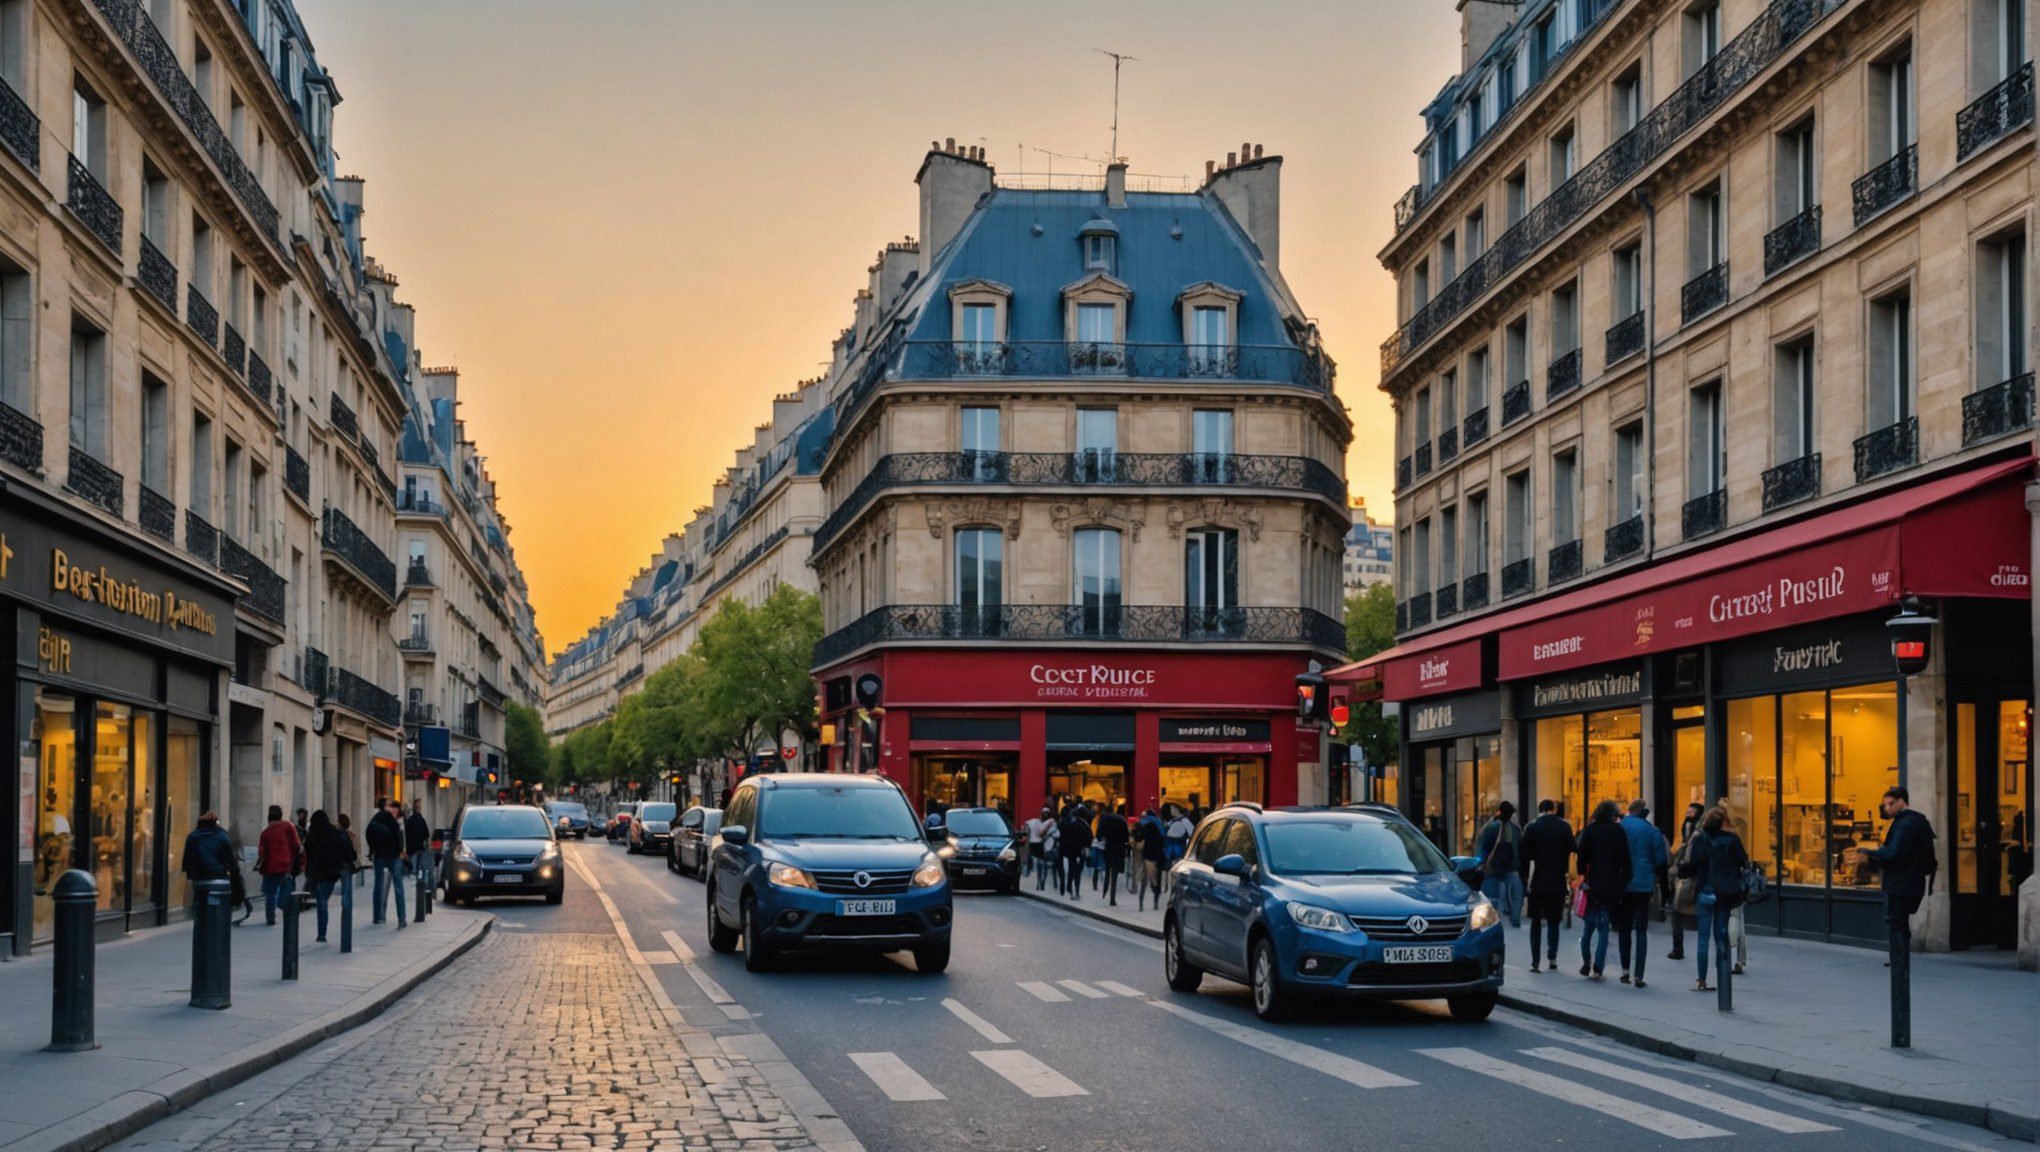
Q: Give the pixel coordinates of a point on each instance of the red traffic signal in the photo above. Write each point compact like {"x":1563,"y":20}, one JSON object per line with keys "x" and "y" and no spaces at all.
{"x":1340,"y":715}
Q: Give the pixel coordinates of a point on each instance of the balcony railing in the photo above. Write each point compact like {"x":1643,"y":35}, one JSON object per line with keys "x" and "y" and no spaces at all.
{"x":234,"y":348}
{"x":1515,"y":402}
{"x":413,"y":501}
{"x":158,"y":514}
{"x":266,"y":587}
{"x":315,"y":672}
{"x":421,"y":715}
{"x":418,"y":575}
{"x":1791,"y":482}
{"x":415,"y":642}
{"x":1519,"y":577}
{"x":361,"y":695}
{"x":1888,"y":449}
{"x":1447,"y":600}
{"x":1564,"y":562}
{"x":1423,"y":459}
{"x":89,"y":201}
{"x":352,"y":546}
{"x":731,"y":571}
{"x":91,"y":478}
{"x":157,"y":275}
{"x":1055,"y":623}
{"x":20,"y":130}
{"x":1625,"y":338}
{"x":1448,"y":444}
{"x":1997,"y":410}
{"x":1563,"y":376}
{"x":201,"y":539}
{"x":21,"y":439}
{"x":1405,"y":471}
{"x":260,"y":380}
{"x":1703,"y":515}
{"x":1475,"y":426}
{"x":1704,"y":293}
{"x":1621,"y":541}
{"x":1473,"y":592}
{"x":342,"y":417}
{"x":1995,"y":114}
{"x":1885,"y":185}
{"x":492,"y":695}
{"x":297,"y":474}
{"x":1060,"y":469}
{"x":1792,"y":241}
{"x":200,"y":316}
{"x":1402,"y":616}
{"x":470,"y":722}
{"x":1420,"y":610}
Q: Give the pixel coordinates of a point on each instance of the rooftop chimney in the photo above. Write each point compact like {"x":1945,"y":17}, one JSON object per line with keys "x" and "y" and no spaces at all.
{"x":1249,"y":185}
{"x":1480,"y":22}
{"x":1115,"y":184}
{"x":951,"y":185}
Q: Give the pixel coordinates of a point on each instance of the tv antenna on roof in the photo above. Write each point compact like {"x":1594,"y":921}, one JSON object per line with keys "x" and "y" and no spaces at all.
{"x":1118,"y":59}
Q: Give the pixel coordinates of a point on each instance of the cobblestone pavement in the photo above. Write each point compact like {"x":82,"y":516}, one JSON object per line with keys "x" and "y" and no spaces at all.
{"x":530,"y":1042}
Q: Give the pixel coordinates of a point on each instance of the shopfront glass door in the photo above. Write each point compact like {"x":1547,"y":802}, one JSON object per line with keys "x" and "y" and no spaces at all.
{"x":1477,"y":789}
{"x":112,"y":767}
{"x":56,"y":737}
{"x":1991,"y":847}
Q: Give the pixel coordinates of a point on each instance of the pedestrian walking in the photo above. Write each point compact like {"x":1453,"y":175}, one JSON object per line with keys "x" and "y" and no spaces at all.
{"x":279,"y":857}
{"x":1680,"y":905}
{"x":329,"y":857}
{"x":1604,"y":873}
{"x":1113,"y":836}
{"x":302,"y":824}
{"x":1076,"y":843}
{"x":1905,"y":864}
{"x":1051,"y":856}
{"x":1177,"y":832}
{"x":1037,"y":857}
{"x":385,"y":835}
{"x":1547,"y":854}
{"x":346,"y":824}
{"x":209,"y":854}
{"x":1716,"y":860}
{"x":418,"y":843}
{"x":1154,"y":850}
{"x":1501,"y":880}
{"x":1648,"y":857}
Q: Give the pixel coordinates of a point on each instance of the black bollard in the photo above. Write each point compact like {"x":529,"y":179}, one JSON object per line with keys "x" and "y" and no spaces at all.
{"x":77,"y":899}
{"x":418,"y":909}
{"x":293,"y":907}
{"x":1901,"y":990}
{"x":211,"y":954}
{"x":1724,"y":964}
{"x":347,"y":913}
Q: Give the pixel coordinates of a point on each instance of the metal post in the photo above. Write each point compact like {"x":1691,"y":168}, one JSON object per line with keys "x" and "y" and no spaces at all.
{"x":1724,"y":966}
{"x":347,"y":911}
{"x":418,"y":909}
{"x":211,"y":954}
{"x":1901,"y":988}
{"x":76,"y":898}
{"x":293,"y":906}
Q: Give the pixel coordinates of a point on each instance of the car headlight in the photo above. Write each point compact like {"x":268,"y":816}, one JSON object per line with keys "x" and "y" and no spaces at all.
{"x":550,"y":851}
{"x":1322,"y":919}
{"x":1485,"y":916}
{"x":1008,"y":855}
{"x":787,"y":876}
{"x":930,"y":874}
{"x":465,"y":853}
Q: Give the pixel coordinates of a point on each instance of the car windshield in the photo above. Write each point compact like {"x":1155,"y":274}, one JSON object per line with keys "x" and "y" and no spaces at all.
{"x":1351,"y":848}
{"x":978,"y":823}
{"x":504,"y":824}
{"x":658,"y":812}
{"x":843,"y":813}
{"x":562,"y":808}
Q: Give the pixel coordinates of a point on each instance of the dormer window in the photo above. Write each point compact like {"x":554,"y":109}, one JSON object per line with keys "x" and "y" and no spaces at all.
{"x":1100,"y":241}
{"x":1094,"y":323}
{"x":1210,"y":315}
{"x":978,"y":329}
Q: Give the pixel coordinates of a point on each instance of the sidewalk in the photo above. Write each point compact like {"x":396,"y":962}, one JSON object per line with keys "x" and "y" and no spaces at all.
{"x":1810,"y":1016}
{"x":158,"y":1055}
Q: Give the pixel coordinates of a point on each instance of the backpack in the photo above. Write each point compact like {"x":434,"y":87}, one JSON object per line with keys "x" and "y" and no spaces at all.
{"x":1502,"y":857}
{"x":1929,"y":860}
{"x":1756,"y":886}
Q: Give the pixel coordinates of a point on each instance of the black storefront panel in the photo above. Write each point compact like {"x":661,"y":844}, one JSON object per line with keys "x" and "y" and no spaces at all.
{"x":964,"y":729}
{"x":1854,"y":650}
{"x":1090,"y":731}
{"x":1449,"y":717}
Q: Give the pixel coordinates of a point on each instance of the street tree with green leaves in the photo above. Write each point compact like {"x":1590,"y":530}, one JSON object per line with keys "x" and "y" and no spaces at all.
{"x":524,"y":743}
{"x":751,"y":676}
{"x":1370,"y":629}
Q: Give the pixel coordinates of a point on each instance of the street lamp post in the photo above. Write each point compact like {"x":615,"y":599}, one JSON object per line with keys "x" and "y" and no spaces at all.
{"x":1912,"y":633}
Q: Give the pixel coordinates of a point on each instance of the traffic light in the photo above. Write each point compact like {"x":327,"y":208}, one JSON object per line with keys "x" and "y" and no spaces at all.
{"x":1311,"y":697}
{"x":673,"y":778}
{"x":1341,"y":715}
{"x":491,"y":778}
{"x":1911,"y":631}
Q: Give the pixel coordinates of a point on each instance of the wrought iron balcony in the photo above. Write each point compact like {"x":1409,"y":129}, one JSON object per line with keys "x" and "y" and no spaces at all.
{"x":1475,"y":426}
{"x":1995,"y":114}
{"x":342,"y":417}
{"x":1448,"y":444}
{"x":1563,"y":376}
{"x":234,"y":349}
{"x":1885,"y":185}
{"x":1703,"y":515}
{"x":1257,"y":363}
{"x":1420,"y":610}
{"x":731,"y":571}
{"x":201,"y":539}
{"x":1057,"y":623}
{"x":417,"y":641}
{"x":1402,"y":616}
{"x":1791,"y":482}
{"x":1447,"y":600}
{"x":1888,"y":449}
{"x":1405,"y":470}
{"x":413,"y":501}
{"x":315,"y":672}
{"x":358,"y":694}
{"x":94,"y":207}
{"x":297,"y":473}
{"x":1625,"y":337}
{"x":1519,"y":577}
{"x":260,"y":381}
{"x":1564,"y":562}
{"x":1704,"y":293}
{"x":158,"y":515}
{"x":21,"y":439}
{"x":1997,"y":410}
{"x":1792,"y":241}
{"x":20,"y":130}
{"x":1423,"y":459}
{"x":91,"y":478}
{"x":419,"y":714}
{"x":418,"y":575}
{"x":1515,"y":402}
{"x":200,"y":316}
{"x":1473,"y":592}
{"x":157,"y":276}
{"x":353,"y":547}
{"x":1621,"y":541}
{"x":492,"y":695}
{"x":470,"y":722}
{"x":266,"y":587}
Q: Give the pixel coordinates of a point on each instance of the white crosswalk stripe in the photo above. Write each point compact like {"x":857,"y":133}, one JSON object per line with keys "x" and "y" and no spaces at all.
{"x":1082,"y":989}
{"x":1028,"y":1074}
{"x":894,"y":1078}
{"x":1615,"y":1107}
{"x":1118,"y":989}
{"x":1317,"y":1059}
{"x":1691,"y":1094}
{"x":1041,"y":991}
{"x":979,"y":1024}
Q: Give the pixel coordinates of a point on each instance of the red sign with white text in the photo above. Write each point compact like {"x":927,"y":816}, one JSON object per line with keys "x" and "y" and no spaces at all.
{"x":1453,"y":668}
{"x":1066,"y":678}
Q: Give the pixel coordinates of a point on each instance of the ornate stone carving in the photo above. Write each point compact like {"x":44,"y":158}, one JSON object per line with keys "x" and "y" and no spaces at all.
{"x":1070,"y":514}
{"x":1003,"y":514}
{"x":1216,"y":512}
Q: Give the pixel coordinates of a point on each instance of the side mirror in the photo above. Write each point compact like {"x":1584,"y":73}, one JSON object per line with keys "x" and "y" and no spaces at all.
{"x":736,"y":835}
{"x":1468,"y":870}
{"x":1231,"y":864}
{"x":936,"y":833}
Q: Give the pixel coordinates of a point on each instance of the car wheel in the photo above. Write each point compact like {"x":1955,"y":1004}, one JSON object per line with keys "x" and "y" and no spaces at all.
{"x":1183,"y":976}
{"x":720,"y":939}
{"x":556,"y":897}
{"x":757,"y":954}
{"x":1472,"y":1007}
{"x":672,"y":863}
{"x":1271,"y":1000}
{"x":930,"y":959}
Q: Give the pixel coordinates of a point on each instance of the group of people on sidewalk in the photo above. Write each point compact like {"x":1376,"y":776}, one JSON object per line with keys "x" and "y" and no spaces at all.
{"x":327,"y":853}
{"x":1619,"y":873}
{"x":1062,"y":844}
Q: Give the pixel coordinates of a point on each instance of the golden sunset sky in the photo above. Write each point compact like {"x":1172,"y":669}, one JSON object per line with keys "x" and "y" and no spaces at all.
{"x":631,"y":222}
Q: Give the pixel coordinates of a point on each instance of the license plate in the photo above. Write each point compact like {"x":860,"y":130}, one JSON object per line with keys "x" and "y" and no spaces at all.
{"x":1432,"y":954}
{"x":865,"y":907}
{"x":971,"y":871}
{"x":512,"y":878}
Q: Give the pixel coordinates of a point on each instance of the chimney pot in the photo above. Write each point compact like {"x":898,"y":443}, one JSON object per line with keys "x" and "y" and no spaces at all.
{"x":1231,"y":159}
{"x":1210,"y":167}
{"x":1246,"y":152}
{"x":949,"y":144}
{"x":1257,"y":151}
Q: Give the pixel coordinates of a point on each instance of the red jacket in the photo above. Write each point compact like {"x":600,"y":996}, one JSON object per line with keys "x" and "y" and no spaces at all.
{"x":278,"y":851}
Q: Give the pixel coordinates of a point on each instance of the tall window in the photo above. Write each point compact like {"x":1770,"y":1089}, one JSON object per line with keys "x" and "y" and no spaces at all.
{"x":1890,"y":398}
{"x":88,"y":389}
{"x":1705,"y":463}
{"x":1792,"y":405}
{"x":1629,"y":478}
{"x":17,"y":315}
{"x":1477,"y":533}
{"x":1448,"y":401}
{"x":1702,"y":34}
{"x":14,"y":43}
{"x":1518,"y":526}
{"x":1798,"y":168}
{"x":2000,"y":45}
{"x":155,"y":434}
{"x":980,"y":441}
{"x":156,"y":205}
{"x":1097,"y":323}
{"x":1515,"y":197}
{"x":1625,"y":98}
{"x":1420,"y":558}
{"x":1421,"y":406}
{"x":2001,"y":335}
{"x":1477,"y":380}
{"x":202,"y":256}
{"x":1628,"y":280}
{"x":1211,"y":579}
{"x":1892,"y":127}
{"x":1516,"y":352}
{"x":1448,"y":258}
{"x":88,"y":129}
{"x":1420,"y":285}
{"x":1097,"y":580}
{"x":201,"y":466}
{"x":1565,"y":319}
{"x":1706,"y":239}
{"x":1564,"y":156}
{"x":980,"y":577}
{"x":1565,"y":496}
{"x":1211,"y":444}
{"x":230,"y":522}
{"x":1097,"y":444}
{"x":1476,"y":234}
{"x":258,"y":508}
{"x":1448,"y":547}
{"x":1210,"y":338}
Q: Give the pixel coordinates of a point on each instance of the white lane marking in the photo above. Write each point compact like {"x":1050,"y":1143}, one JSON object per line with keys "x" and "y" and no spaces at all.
{"x":894,"y":1078}
{"x":1691,"y":1094}
{"x":1642,"y":1115}
{"x":1028,"y":1074}
{"x":1041,"y":991}
{"x":1082,"y":989}
{"x":1316,"y":1059}
{"x":1118,"y":989}
{"x":982,"y":1026}
{"x":660,"y":958}
{"x":714,"y":991}
{"x":678,"y":946}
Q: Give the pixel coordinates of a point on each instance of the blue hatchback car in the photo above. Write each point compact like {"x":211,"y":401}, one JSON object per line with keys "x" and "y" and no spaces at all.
{"x":1299,"y":903}
{"x":825,"y":862}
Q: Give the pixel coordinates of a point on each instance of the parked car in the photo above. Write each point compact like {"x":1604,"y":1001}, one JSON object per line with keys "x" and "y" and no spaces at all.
{"x":651,"y":827}
{"x":1300,"y":903}
{"x":574,"y":814}
{"x":688,"y":850}
{"x":619,"y":823}
{"x":825,"y":862}
{"x":980,"y":848}
{"x":504,"y":850}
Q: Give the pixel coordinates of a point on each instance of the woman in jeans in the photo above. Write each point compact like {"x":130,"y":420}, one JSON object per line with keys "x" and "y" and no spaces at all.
{"x":329,"y":857}
{"x":1716,"y":859}
{"x":1738,"y":930}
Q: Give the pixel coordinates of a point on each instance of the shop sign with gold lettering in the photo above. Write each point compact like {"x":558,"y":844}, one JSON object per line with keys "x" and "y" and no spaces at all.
{"x":82,"y":579}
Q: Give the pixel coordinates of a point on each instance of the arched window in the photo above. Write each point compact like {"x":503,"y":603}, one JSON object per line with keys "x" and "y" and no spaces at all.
{"x":980,"y":580}
{"x":1096,"y":580}
{"x":1211,"y":581}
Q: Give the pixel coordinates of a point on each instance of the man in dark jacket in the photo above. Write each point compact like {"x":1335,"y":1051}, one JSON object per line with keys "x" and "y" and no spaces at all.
{"x":1604,"y":864}
{"x":418,"y":843}
{"x":1075,"y":843}
{"x":1903,"y":863}
{"x":1501,"y":875}
{"x":1113,"y":834}
{"x":385,"y":836}
{"x":1545,"y":855}
{"x":1153,"y":841}
{"x":208,"y":853}
{"x":329,"y":857}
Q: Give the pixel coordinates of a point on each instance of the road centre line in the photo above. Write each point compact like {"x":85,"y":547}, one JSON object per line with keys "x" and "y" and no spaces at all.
{"x":1606,"y":1103}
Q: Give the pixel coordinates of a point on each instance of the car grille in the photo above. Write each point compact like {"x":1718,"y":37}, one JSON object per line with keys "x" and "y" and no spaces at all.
{"x":826,"y":925}
{"x":506,"y":861}
{"x":1393,"y":975}
{"x":886,"y":883}
{"x":1398,"y":928}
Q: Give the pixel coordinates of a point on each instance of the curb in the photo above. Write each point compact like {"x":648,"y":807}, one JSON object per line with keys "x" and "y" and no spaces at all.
{"x":131,"y":1111}
{"x":2006,"y":1123}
